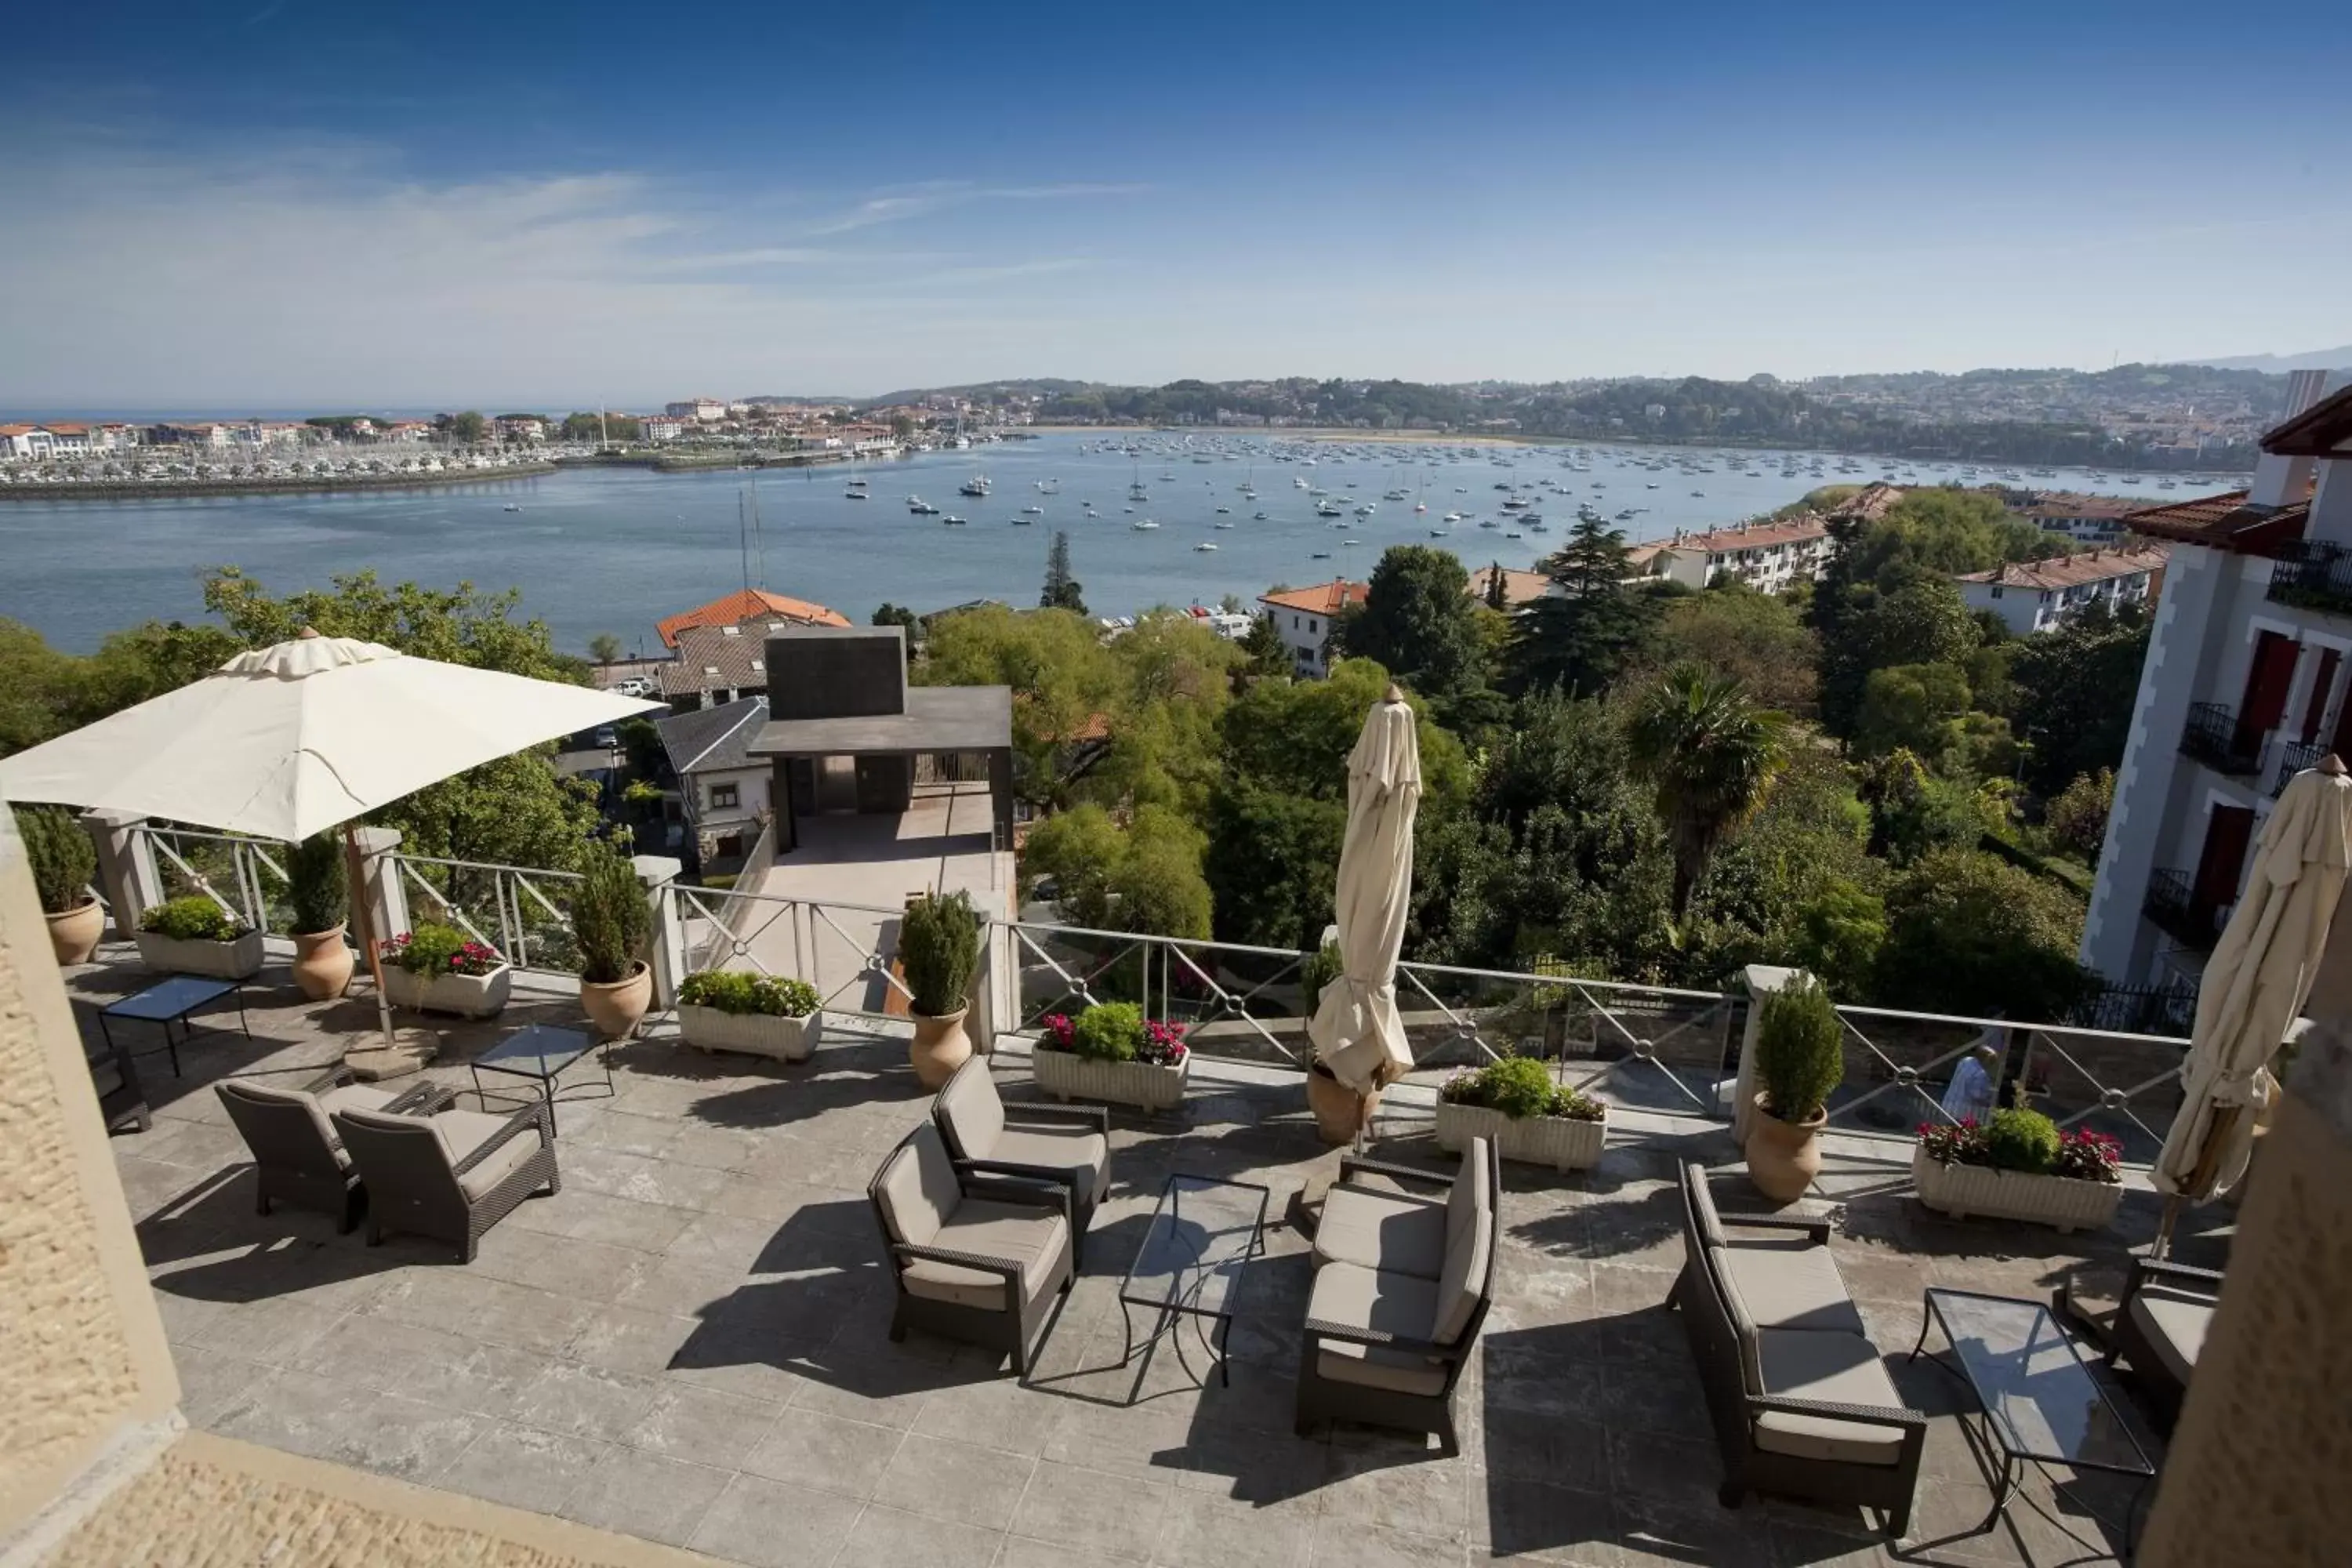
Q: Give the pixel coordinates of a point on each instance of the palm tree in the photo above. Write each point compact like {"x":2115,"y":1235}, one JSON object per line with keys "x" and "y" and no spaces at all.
{"x":1711,"y":754}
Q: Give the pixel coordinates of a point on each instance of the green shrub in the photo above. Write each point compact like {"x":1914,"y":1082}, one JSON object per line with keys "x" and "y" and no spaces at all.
{"x":1799,"y":1057}
{"x":193,"y":919}
{"x":939,"y":948}
{"x":734,"y":991}
{"x":610,"y":919}
{"x":318,"y":886}
{"x":1519,"y":1086}
{"x":2022,"y":1141}
{"x":61,"y":854}
{"x":1319,"y":971}
{"x":1108,"y":1032}
{"x":1575,"y":1105}
{"x":434,"y":949}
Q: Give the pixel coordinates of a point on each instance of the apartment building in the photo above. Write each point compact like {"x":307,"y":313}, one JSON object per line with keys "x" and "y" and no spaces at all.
{"x":1767,"y":554}
{"x":2244,"y":686}
{"x":1303,"y":616}
{"x":2093,"y":520}
{"x":2035,"y":596}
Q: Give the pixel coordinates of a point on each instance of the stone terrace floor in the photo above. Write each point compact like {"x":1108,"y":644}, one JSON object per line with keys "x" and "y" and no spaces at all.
{"x":688,"y":1344}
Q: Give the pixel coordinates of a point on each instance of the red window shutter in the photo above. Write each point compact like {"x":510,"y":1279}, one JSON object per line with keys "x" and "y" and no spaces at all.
{"x":2228,"y":833}
{"x":2316,"y":711}
{"x":2266,"y":687}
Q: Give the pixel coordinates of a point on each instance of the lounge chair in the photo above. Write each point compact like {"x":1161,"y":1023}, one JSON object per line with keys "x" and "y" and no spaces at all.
{"x":1069,"y":1144}
{"x":297,"y":1155}
{"x":452,"y":1176}
{"x":1802,"y":1405}
{"x":122,"y":1098}
{"x":975,"y":1256}
{"x":2160,"y":1328}
{"x":1386,"y":1338}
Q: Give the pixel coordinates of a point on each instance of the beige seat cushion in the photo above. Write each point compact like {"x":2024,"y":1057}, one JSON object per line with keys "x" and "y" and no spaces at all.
{"x":1355,"y":1297}
{"x":1841,"y":1369}
{"x":1376,"y":1366}
{"x":2174,"y":1323}
{"x":1034,"y":1237}
{"x":1065,"y":1148}
{"x":1700,"y":1201}
{"x":1787,"y":1283}
{"x":973,"y":1110}
{"x":463,"y":1132}
{"x":918,"y":1189}
{"x":1394,"y":1231}
{"x":1469,"y":1193}
{"x":318,"y":1107}
{"x":1468,"y":1256}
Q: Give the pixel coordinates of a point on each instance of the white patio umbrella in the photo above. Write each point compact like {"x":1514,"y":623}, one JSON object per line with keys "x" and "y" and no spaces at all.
{"x":286,"y":740}
{"x":2255,"y":986}
{"x":1355,"y":1030}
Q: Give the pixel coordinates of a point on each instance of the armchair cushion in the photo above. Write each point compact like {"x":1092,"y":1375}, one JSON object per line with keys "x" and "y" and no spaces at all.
{"x":2173,"y":1322}
{"x":317,"y":1108}
{"x":1400,"y":1232}
{"x":1835,"y":1368}
{"x":463,"y":1132}
{"x":918,"y":1190}
{"x":972,"y":1112}
{"x":1068,"y":1147}
{"x":1468,"y":1256}
{"x":1787,"y":1283}
{"x":1700,"y":1204}
{"x":1353,"y":1297}
{"x":1469,"y":1191}
{"x":1015,"y":1233}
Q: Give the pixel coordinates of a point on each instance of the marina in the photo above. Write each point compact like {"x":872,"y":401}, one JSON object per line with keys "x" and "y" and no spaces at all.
{"x":598,"y":550}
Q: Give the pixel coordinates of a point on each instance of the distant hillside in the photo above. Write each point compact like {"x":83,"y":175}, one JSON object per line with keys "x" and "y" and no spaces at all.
{"x":2279,"y":365}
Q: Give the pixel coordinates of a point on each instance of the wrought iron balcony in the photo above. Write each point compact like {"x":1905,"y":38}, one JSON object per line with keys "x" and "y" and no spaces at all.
{"x":2294,"y":760}
{"x":2212,"y":737}
{"x":2173,"y":907}
{"x":2315,"y":575}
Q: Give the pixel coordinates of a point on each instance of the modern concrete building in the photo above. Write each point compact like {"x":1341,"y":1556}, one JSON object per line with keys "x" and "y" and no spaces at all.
{"x":2244,"y":686}
{"x":1303,"y":616}
{"x":2035,"y":596}
{"x":847,"y":735}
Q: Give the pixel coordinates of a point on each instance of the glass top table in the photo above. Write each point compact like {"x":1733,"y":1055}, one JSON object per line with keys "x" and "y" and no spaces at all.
{"x":540,"y":1052}
{"x":2039,"y":1401}
{"x":174,"y":1001}
{"x":1203,"y":1235}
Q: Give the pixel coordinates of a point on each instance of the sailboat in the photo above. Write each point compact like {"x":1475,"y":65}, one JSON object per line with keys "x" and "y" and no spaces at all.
{"x":1421,"y":501}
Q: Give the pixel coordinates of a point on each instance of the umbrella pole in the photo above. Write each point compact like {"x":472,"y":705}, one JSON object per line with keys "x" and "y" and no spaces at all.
{"x":2216,"y":1138}
{"x":366,"y":931}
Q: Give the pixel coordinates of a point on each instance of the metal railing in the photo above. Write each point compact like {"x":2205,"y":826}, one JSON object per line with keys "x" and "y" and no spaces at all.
{"x":1899,"y":1065}
{"x":239,"y":874}
{"x":2314,"y":574}
{"x":2293,"y":759}
{"x":505,"y":908}
{"x":1234,"y":1000}
{"x":847,"y":951}
{"x":2212,"y":736}
{"x":2172,"y":905}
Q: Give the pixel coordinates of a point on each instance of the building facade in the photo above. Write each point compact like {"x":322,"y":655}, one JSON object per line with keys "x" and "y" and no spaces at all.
{"x":2035,"y":596}
{"x":722,"y":788}
{"x":2244,"y":686}
{"x":1767,"y":554}
{"x":1303,"y":616}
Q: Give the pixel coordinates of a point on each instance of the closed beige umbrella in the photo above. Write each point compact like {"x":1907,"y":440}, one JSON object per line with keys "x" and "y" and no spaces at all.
{"x":1355,"y":1030}
{"x":2256,"y":985}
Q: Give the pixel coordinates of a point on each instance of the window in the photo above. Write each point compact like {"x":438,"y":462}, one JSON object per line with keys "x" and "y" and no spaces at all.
{"x":724,"y":796}
{"x":1996,"y":590}
{"x":1314,"y":629}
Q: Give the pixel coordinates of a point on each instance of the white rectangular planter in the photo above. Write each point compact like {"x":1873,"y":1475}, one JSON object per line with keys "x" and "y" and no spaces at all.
{"x":1554,"y":1141}
{"x":468,"y":996}
{"x":1068,"y":1075}
{"x":238,"y":959}
{"x":2066,"y":1202}
{"x":759,"y":1033}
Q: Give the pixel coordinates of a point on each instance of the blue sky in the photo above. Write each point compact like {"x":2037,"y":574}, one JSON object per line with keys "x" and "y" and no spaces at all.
{"x":286,"y":202}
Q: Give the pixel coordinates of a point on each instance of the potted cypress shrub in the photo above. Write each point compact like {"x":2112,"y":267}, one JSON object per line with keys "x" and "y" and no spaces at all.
{"x":318,"y":888}
{"x":1514,"y":1103}
{"x":440,"y":969}
{"x":2019,"y":1165}
{"x":1800,"y":1060}
{"x":194,"y":935}
{"x":1111,"y":1051}
{"x":728,"y":1010}
{"x":63,"y":862}
{"x":609,"y":921}
{"x":938,"y":950}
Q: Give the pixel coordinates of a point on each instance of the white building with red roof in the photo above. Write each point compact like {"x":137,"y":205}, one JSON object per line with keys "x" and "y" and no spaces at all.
{"x":2035,"y":596}
{"x":1303,"y":616}
{"x":1767,"y":554}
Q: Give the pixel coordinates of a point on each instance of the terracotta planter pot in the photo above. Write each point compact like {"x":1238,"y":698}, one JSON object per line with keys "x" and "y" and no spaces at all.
{"x":1068,"y":1075}
{"x":754,"y":1034}
{"x":1783,"y":1157}
{"x":1554,"y":1140}
{"x":1338,"y":1110}
{"x":322,"y":963}
{"x":2066,"y":1202}
{"x":73,"y":935}
{"x":938,"y":1048}
{"x":617,"y":1008}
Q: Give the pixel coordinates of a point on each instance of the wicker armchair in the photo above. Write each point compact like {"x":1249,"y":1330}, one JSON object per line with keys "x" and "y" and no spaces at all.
{"x":974,"y":1256}
{"x":2160,"y":1328}
{"x":122,"y":1098}
{"x":297,"y":1155}
{"x":452,"y":1176}
{"x":1067,"y":1144}
{"x":1384,"y":1341}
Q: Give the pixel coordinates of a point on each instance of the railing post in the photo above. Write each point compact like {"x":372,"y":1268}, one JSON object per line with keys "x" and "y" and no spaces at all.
{"x":126,"y":867}
{"x":387,"y":900}
{"x":1762,"y":980}
{"x":658,"y":873}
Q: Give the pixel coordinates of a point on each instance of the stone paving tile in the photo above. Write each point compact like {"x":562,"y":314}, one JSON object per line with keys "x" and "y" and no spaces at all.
{"x":702,"y":1426}
{"x":825,"y":1453}
{"x":960,"y":1481}
{"x":645,"y":1495}
{"x":521,"y":1467}
{"x":1103,"y":1516}
{"x":768,"y":1524}
{"x":892,"y":1538}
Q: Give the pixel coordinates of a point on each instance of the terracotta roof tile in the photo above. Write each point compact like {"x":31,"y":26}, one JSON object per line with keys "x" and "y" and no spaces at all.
{"x":749,"y":604}
{"x":1760,"y":535}
{"x":2073,"y":570}
{"x":2224,"y":522}
{"x":1322,"y":599}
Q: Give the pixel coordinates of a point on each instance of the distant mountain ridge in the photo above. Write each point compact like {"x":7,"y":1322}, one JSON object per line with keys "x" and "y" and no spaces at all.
{"x":2279,"y":365}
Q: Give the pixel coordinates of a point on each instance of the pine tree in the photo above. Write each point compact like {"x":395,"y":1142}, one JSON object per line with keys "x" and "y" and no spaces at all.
{"x":1062,"y":590}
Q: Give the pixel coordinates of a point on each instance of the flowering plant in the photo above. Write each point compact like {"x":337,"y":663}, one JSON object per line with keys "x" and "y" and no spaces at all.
{"x":1955,"y":1143}
{"x":1061,"y":1034}
{"x":2082,"y":1154}
{"x":1163,"y":1043}
{"x":2089,"y":1156}
{"x":1114,"y":1031}
{"x":431,"y":950}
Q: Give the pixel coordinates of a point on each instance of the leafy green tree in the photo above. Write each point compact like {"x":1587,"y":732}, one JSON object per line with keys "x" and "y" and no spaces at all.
{"x":1863,"y":628}
{"x":1062,"y":590}
{"x":1418,"y":621}
{"x":1580,"y":640}
{"x":1068,"y":688}
{"x":592,"y":427}
{"x":2076,"y":687}
{"x":44,"y":693}
{"x":1967,"y":933}
{"x":1267,"y":653}
{"x":1142,"y":877}
{"x":466,"y":429}
{"x":1840,"y":934}
{"x":1272,"y":863}
{"x":1757,"y":638}
{"x":1908,"y":705}
{"x":2076,"y":816}
{"x":604,"y":647}
{"x":1711,"y":755}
